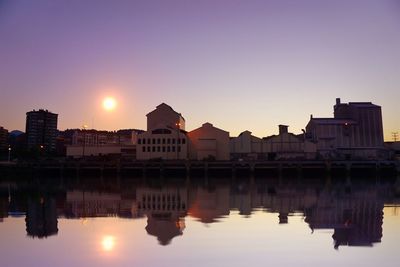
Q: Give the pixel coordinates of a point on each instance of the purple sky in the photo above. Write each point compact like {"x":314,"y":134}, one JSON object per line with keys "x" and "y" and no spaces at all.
{"x":241,"y":65}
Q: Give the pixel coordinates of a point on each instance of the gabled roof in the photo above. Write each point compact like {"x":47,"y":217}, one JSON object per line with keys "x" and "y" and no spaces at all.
{"x":245,"y":132}
{"x":163,"y":105}
{"x":208,"y":125}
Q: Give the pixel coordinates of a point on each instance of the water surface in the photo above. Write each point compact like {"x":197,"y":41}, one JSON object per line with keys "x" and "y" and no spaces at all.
{"x":204,"y":222}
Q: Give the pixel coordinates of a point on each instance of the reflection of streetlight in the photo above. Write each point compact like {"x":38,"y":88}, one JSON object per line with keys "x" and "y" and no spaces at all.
{"x":9,"y":194}
{"x":84,"y":127}
{"x":9,"y":153}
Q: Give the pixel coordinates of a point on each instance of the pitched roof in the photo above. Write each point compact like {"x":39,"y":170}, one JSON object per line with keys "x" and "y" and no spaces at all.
{"x":166,"y":106}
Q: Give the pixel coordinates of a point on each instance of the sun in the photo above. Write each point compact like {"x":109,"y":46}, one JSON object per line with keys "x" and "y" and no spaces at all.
{"x":109,"y":103}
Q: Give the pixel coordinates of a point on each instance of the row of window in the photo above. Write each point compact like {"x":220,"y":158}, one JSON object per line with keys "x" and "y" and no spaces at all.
{"x":161,"y":198}
{"x":161,"y":141}
{"x":161,"y":149}
{"x":161,"y":207}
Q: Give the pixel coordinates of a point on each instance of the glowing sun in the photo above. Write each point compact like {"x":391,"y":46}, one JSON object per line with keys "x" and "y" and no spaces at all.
{"x":109,"y":103}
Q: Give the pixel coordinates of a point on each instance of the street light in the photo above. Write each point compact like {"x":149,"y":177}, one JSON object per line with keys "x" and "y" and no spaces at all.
{"x":41,"y":149}
{"x":84,"y":127}
{"x":178,"y":128}
{"x":9,"y":153}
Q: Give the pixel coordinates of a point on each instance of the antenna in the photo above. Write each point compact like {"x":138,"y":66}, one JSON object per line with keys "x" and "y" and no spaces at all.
{"x":395,"y":136}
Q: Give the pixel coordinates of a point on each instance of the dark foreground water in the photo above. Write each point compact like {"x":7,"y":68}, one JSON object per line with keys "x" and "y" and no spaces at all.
{"x":201,"y":222}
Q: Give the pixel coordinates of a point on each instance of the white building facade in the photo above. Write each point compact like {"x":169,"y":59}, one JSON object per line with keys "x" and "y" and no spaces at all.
{"x":165,"y":137}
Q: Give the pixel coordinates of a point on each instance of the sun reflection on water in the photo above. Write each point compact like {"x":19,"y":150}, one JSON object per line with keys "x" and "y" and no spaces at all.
{"x":108,"y":243}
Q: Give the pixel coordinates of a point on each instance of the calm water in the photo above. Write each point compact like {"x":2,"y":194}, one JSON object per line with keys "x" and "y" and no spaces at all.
{"x":203,"y":222}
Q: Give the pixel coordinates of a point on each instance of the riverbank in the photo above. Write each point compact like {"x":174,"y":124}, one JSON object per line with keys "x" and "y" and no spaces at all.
{"x":201,"y":168}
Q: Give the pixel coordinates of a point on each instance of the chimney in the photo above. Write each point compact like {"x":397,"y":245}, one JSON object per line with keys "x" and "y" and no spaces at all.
{"x":283,"y":129}
{"x":338,"y":101}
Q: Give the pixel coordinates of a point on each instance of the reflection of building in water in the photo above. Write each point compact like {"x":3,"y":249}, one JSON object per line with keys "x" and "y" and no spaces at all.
{"x":165,"y":209}
{"x":41,"y":217}
{"x":210,"y":205}
{"x":356,"y":218}
{"x":165,"y":227}
{"x":3,"y":207}
{"x":284,"y":200}
{"x":92,"y":204}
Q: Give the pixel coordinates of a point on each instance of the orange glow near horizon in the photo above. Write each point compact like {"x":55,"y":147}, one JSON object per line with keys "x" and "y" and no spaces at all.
{"x":109,"y":103}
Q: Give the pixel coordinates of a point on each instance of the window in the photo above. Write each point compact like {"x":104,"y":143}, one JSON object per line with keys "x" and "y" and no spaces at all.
{"x":183,"y":141}
{"x":158,"y":141}
{"x":179,"y":148}
{"x":139,"y":141}
{"x":168,"y":141}
{"x":173,"y":149}
{"x":158,"y":149}
{"x":179,"y":141}
{"x":163,"y":141}
{"x":144,"y":141}
{"x":148,"y":149}
{"x":154,"y":141}
{"x":161,"y":131}
{"x":144,"y":149}
{"x":173,"y":141}
{"x":154,"y":149}
{"x":163,"y":149}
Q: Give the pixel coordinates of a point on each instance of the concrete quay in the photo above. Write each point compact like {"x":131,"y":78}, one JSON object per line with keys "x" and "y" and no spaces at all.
{"x":185,"y":167}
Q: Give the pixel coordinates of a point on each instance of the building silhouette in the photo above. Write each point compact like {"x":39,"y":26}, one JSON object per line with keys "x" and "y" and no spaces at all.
{"x":164,"y":116}
{"x":246,"y":146}
{"x":3,"y":139}
{"x":93,"y":142}
{"x":355,"y":131}
{"x":41,"y":130}
{"x":208,"y":142}
{"x":165,"y":137}
{"x":287,"y":145}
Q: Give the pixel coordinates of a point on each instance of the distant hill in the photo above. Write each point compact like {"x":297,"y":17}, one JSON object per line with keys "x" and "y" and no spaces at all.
{"x":16,"y":133}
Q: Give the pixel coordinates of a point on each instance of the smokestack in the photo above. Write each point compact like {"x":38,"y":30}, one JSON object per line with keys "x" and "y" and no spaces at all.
{"x":283,"y":129}
{"x":337,"y":101}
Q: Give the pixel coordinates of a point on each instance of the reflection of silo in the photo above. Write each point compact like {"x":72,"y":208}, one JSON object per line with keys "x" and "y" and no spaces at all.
{"x":41,"y":217}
